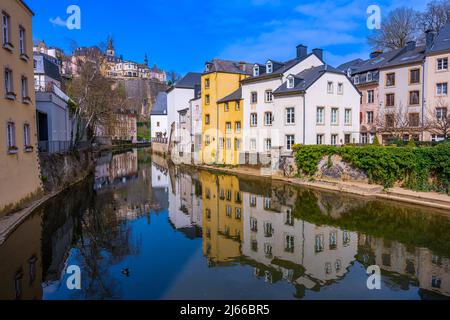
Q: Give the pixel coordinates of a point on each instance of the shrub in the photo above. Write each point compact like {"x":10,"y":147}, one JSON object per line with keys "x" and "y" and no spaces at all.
{"x":387,"y":165}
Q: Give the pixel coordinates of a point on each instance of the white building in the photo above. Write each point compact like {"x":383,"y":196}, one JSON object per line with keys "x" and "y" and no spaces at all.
{"x":158,"y":117}
{"x":301,"y":101}
{"x":196,"y":129}
{"x":178,"y":103}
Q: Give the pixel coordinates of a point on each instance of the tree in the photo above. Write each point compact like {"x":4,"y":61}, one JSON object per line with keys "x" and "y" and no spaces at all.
{"x":173,"y":77}
{"x":399,"y":27}
{"x":438,"y":119}
{"x":93,"y":95}
{"x":435,"y":16}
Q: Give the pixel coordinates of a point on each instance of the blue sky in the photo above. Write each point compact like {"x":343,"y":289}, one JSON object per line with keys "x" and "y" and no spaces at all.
{"x":182,"y":35}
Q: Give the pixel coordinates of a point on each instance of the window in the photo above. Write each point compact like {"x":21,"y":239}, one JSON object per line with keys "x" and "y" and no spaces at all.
{"x":441,"y":89}
{"x":290,"y":141}
{"x":390,"y":79}
{"x":334,"y":139}
{"x":356,"y":80}
{"x":413,"y":119}
{"x":207,"y":119}
{"x":369,"y":117}
{"x":268,"y":119}
{"x":319,"y":244}
{"x":267,"y":203}
{"x":334,"y":115}
{"x":289,"y":218}
{"x":320,"y":139}
{"x":347,"y":138}
{"x":269,"y":96}
{"x":228,"y":127}
{"x":269,"y":67}
{"x":158,"y":124}
{"x":414,"y":76}
{"x":22,"y":41}
{"x":390,"y":100}
{"x":370,"y":96}
{"x":237,"y":144}
{"x":348,"y":117}
{"x":254,"y":97}
{"x":333,"y":240}
{"x":254,"y":224}
{"x":369,"y":77}
{"x":436,"y":282}
{"x":441,"y":113}
{"x":253,"y":201}
{"x":26,"y":135}
{"x":346,"y":238}
{"x":229,"y":144}
{"x":238,"y":214}
{"x":11,"y":134}
{"x":206,"y":83}
{"x":238,"y":127}
{"x":256,"y":71}
{"x":24,"y":82}
{"x":226,"y":107}
{"x":253,"y":144}
{"x":414,"y":97}
{"x":221,"y":143}
{"x":364,"y":138}
{"x":6,"y":26}
{"x":267,"y":144}
{"x":290,"y":116}
{"x":207,"y":100}
{"x":289,"y":244}
{"x":330,"y":87}
{"x":442,"y":64}
{"x":320,"y":115}
{"x":389,"y":120}
{"x":290,"y":82}
{"x":268,"y":229}
{"x":207,"y":140}
{"x":253,"y":119}
{"x":238,"y":106}
{"x":340,"y":88}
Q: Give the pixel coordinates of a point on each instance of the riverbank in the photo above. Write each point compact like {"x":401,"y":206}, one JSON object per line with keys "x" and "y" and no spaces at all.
{"x":428,"y":199}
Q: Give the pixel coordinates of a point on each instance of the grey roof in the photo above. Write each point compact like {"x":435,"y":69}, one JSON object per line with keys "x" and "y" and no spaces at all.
{"x":160,"y":106}
{"x":353,"y":64}
{"x":189,"y":81}
{"x":51,"y":67}
{"x":442,"y":40}
{"x":219,"y":65}
{"x":405,"y":56}
{"x":234,"y":96}
{"x":279,"y":68}
{"x":306,"y":79}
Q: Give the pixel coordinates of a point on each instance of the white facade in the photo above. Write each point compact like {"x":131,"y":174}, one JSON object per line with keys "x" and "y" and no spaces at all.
{"x":292,"y":118}
{"x":159,"y":126}
{"x":177,"y":100}
{"x":196,"y":128}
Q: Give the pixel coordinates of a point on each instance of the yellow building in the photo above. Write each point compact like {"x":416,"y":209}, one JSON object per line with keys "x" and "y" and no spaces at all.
{"x":222,"y":217}
{"x":221,"y":143}
{"x":19,"y":169}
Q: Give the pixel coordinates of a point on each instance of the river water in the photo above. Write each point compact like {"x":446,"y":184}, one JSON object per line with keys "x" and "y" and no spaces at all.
{"x":141,"y":229}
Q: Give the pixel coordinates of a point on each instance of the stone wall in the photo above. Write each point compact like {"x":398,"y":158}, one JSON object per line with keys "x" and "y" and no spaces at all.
{"x":160,"y":148}
{"x":334,"y":168}
{"x":59,"y":171}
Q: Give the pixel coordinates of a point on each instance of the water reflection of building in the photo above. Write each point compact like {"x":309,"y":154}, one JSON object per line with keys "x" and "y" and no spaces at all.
{"x":222,"y":218}
{"x":404,"y":266}
{"x":185,"y":202}
{"x":305,"y":254}
{"x":21,"y":262}
{"x":116,"y":169}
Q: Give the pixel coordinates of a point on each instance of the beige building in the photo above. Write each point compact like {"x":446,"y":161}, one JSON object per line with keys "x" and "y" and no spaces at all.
{"x":19,"y":170}
{"x":437,"y":78}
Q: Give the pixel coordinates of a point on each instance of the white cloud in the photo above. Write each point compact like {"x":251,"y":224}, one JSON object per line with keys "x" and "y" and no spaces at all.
{"x":58,"y":22}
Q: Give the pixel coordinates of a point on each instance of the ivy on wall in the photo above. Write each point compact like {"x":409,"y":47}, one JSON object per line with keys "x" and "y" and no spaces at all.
{"x":417,"y":168}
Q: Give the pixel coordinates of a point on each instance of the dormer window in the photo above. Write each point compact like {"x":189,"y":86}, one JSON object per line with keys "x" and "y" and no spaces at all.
{"x":369,"y":76}
{"x":290,"y":82}
{"x":349,"y":72}
{"x":356,"y":80}
{"x":269,"y":67}
{"x":256,"y":71}
{"x":208,"y":67}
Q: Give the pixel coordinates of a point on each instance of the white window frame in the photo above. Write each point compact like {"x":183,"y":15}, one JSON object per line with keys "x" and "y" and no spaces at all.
{"x":10,"y":134}
{"x":320,"y":116}
{"x":268,"y":118}
{"x":340,"y":89}
{"x":441,"y":85}
{"x":253,"y":119}
{"x":320,"y":139}
{"x":6,"y":28}
{"x":290,"y":141}
{"x":269,"y":67}
{"x":334,"y":139}
{"x":256,"y":71}
{"x":238,"y":126}
{"x":290,"y":116}
{"x":268,"y":96}
{"x":254,"y":97}
{"x":440,"y":64}
{"x":330,"y":87}
{"x":370,"y":96}
{"x":356,"y":79}
{"x":348,"y":117}
{"x":8,"y":81}
{"x":26,"y":135}
{"x":22,"y":40}
{"x":24,"y":83}
{"x":369,"y":76}
{"x":290,"y":82}
{"x":335,"y":114}
{"x":253,"y":144}
{"x":369,"y":116}
{"x":267,"y":144}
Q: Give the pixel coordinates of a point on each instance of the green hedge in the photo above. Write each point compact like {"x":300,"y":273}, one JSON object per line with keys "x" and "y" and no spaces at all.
{"x":414,"y":166}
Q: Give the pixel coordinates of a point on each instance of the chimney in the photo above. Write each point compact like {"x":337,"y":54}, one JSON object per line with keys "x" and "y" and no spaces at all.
{"x":375,"y":54}
{"x":242,"y":65}
{"x":302,"y":51}
{"x":410,"y":45}
{"x":429,"y":38}
{"x":318,"y":53}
